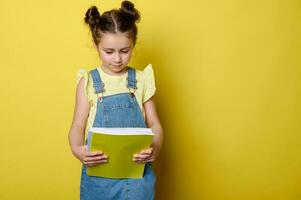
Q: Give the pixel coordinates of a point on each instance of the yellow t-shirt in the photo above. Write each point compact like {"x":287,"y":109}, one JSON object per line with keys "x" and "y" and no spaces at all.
{"x":117,"y":84}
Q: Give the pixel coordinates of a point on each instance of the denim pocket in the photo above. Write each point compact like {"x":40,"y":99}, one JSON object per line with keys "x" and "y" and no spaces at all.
{"x":119,"y":115}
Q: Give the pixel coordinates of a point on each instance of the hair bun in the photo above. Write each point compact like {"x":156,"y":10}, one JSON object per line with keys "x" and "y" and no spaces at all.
{"x":92,"y":16}
{"x":129,"y":8}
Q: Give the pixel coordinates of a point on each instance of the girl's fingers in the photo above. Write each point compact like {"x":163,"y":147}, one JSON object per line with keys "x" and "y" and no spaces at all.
{"x":95,"y":158}
{"x":93,"y":153}
{"x":147,"y":151}
{"x":151,"y":159}
{"x":94,"y":163}
{"x":142,"y":158}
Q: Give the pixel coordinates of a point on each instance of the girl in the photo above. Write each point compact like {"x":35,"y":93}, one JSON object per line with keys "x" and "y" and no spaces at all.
{"x":115,"y":95}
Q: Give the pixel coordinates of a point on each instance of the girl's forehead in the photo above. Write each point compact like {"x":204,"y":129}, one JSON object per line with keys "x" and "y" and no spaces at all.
{"x":115,"y":40}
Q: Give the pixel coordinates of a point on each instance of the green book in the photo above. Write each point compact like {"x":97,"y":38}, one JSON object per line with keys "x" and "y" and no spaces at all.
{"x":120,"y":144}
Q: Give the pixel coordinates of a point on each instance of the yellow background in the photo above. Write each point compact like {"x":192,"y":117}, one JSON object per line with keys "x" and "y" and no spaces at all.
{"x":228,"y":93}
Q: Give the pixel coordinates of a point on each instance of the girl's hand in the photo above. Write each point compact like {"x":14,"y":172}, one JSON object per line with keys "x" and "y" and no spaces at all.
{"x":88,"y":158}
{"x":146,"y":155}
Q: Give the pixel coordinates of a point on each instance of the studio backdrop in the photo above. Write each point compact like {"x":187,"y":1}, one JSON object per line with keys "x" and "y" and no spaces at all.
{"x":228,"y":78}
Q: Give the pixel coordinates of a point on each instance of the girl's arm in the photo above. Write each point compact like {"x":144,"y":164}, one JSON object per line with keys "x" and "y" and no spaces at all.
{"x":77,"y":130}
{"x":153,"y":122}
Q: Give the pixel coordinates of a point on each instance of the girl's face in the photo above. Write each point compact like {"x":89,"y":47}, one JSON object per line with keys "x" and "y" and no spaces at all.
{"x":115,"y":51}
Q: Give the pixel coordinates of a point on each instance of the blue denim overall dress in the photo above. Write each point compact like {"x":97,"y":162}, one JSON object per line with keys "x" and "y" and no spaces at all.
{"x":118,"y":110}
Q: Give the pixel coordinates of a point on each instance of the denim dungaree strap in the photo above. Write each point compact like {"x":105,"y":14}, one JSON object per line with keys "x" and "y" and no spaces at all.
{"x":98,"y":85}
{"x":97,"y":82}
{"x":118,"y":110}
{"x":132,"y":82}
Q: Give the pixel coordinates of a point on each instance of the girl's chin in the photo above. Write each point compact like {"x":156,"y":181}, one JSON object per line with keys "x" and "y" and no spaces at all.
{"x":117,"y":70}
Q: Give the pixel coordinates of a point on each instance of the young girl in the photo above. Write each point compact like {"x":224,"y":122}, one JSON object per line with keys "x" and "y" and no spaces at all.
{"x":115,"y":95}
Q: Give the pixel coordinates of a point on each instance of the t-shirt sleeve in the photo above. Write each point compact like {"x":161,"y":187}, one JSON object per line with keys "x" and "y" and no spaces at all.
{"x":149,"y":83}
{"x":82,"y":73}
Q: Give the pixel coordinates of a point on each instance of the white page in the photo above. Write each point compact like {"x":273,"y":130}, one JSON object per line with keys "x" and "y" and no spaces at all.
{"x":122,"y":131}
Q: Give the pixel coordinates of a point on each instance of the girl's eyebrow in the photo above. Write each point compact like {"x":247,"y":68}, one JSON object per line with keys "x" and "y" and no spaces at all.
{"x":114,"y":49}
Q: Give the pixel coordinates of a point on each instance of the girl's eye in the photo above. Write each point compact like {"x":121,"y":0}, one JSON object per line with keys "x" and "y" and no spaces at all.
{"x":124,"y":51}
{"x":109,"y":52}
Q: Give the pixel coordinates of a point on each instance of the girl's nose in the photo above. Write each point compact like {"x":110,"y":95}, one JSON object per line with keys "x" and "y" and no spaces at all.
{"x":117,"y":58}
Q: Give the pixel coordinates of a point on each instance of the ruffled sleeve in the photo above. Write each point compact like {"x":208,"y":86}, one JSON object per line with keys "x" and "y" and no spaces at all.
{"x":83,"y":73}
{"x":149,"y":83}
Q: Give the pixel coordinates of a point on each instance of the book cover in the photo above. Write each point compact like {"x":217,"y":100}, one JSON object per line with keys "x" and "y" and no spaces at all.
{"x":120,"y":144}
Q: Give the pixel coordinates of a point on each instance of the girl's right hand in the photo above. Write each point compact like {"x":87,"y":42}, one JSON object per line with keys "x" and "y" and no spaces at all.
{"x":88,"y":158}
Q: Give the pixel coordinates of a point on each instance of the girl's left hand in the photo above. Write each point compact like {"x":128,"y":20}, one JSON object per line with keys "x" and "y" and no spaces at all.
{"x":146,"y":155}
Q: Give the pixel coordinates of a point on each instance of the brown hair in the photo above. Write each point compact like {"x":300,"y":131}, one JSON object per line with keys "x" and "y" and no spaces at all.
{"x":122,"y":20}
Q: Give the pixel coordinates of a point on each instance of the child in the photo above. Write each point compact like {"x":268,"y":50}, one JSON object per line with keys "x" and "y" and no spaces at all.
{"x":115,"y":95}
